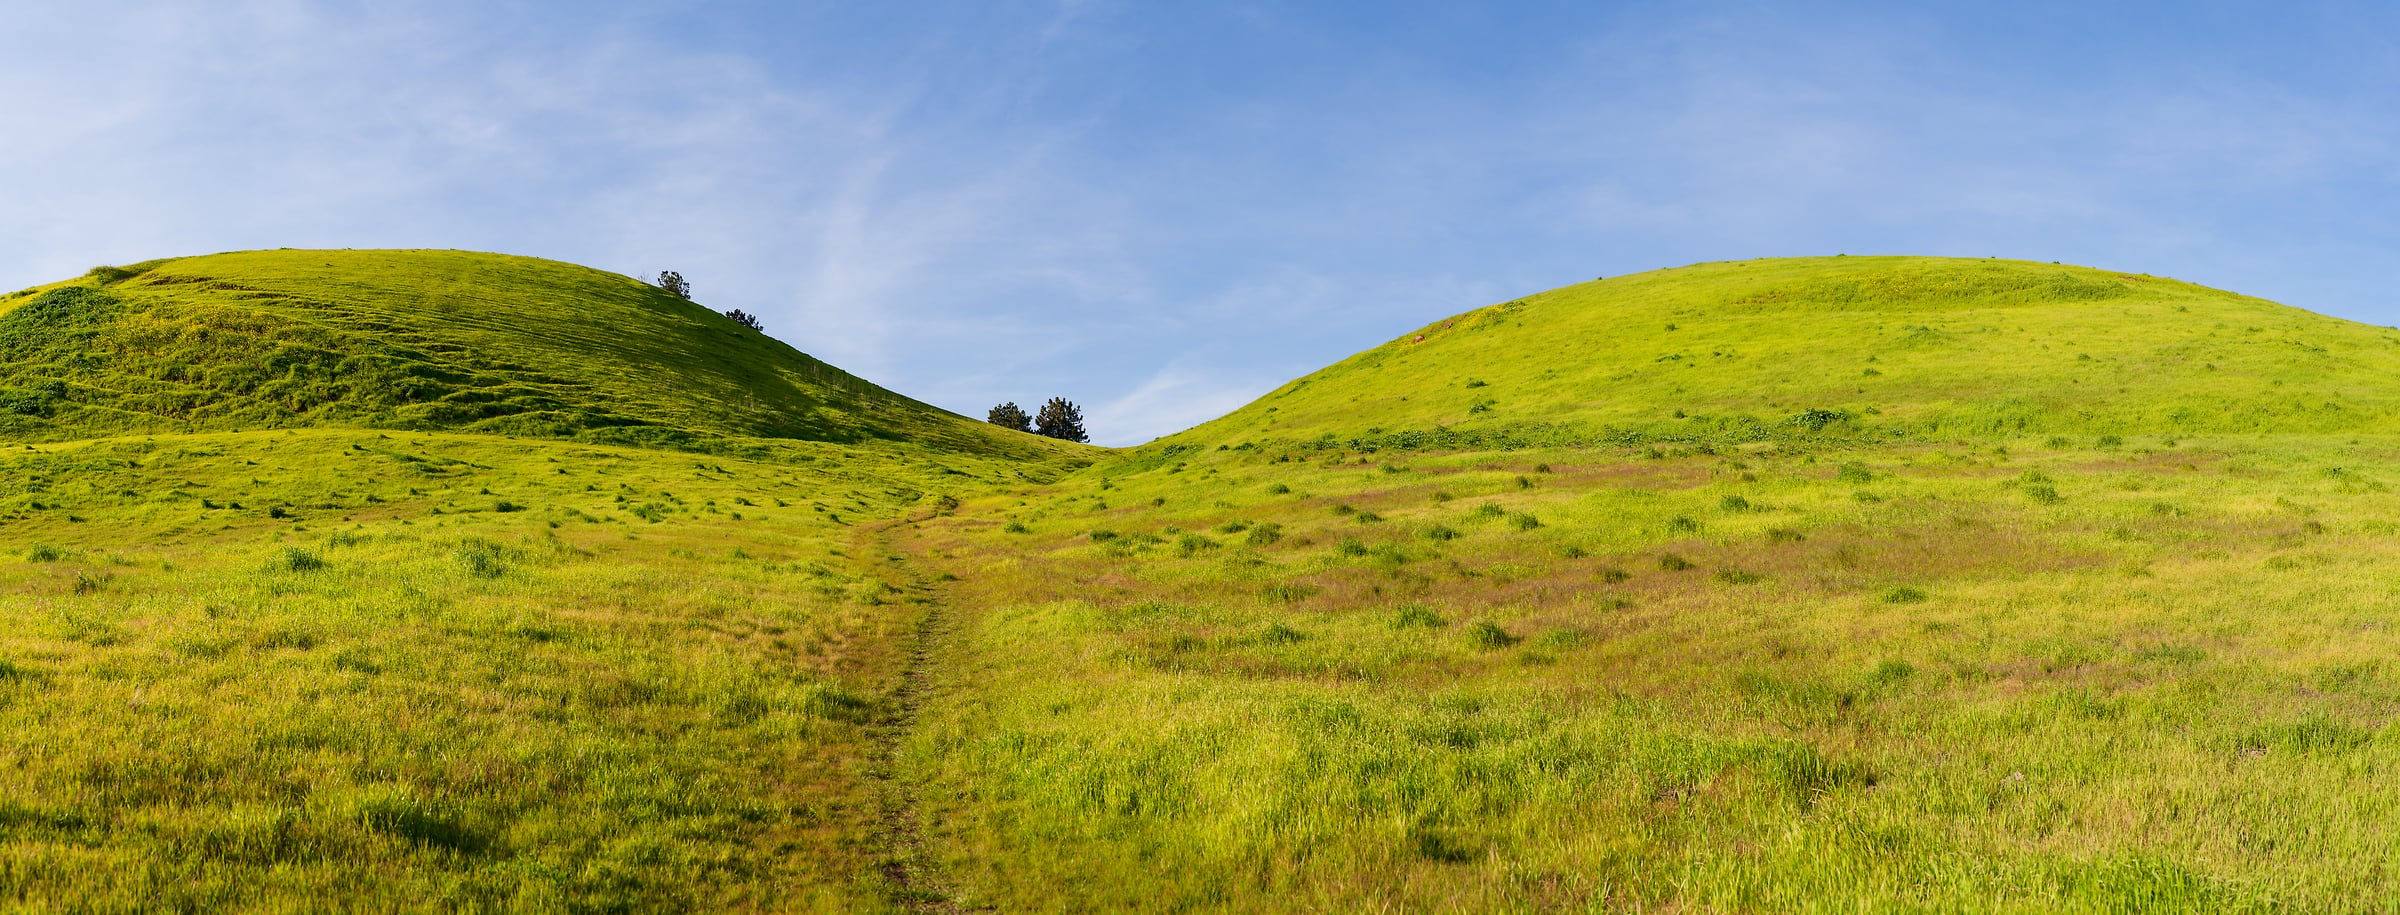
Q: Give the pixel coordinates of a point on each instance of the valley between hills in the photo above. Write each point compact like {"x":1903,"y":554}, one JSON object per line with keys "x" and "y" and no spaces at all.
{"x":434,"y":580}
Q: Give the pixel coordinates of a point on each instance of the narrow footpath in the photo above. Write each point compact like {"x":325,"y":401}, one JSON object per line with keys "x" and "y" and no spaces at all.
{"x":908,"y":871}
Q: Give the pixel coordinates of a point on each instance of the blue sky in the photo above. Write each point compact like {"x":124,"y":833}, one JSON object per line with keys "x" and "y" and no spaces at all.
{"x":1161,"y":210}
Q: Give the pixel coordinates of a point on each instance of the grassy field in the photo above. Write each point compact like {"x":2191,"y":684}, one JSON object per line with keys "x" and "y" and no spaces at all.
{"x":1844,"y":584}
{"x":2017,"y":676}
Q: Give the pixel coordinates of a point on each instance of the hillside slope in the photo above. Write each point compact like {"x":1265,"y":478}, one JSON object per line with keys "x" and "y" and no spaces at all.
{"x":1874,"y":347}
{"x":424,"y":340}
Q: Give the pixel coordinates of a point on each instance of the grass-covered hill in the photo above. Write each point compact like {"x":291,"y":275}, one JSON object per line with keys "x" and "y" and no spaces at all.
{"x":1858,"y":347}
{"x":426,"y":340}
{"x":1956,"y":586}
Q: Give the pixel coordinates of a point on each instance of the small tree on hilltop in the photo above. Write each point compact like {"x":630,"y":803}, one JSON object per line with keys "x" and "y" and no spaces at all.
{"x":1061,"y":419}
{"x":1011,"y":416}
{"x":746,"y":319}
{"x":673,"y":283}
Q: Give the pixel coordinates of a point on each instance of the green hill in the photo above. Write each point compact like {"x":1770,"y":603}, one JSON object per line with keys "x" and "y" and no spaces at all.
{"x":425,"y":340}
{"x":1873,"y":347}
{"x":1873,"y":584}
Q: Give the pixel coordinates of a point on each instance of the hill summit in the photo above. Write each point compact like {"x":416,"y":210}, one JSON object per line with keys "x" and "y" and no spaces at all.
{"x":424,"y":340}
{"x":1862,"y":347}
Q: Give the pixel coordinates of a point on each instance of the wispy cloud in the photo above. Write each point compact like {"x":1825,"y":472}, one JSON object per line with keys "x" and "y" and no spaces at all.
{"x":1158,"y":209}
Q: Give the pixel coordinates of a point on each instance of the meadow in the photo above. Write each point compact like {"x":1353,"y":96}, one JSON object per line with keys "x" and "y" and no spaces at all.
{"x":2006,"y":676}
{"x":437,"y":671}
{"x":439,"y":581}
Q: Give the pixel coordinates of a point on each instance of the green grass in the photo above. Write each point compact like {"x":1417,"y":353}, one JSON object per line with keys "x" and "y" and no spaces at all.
{"x":1951,"y":698}
{"x":395,"y":694}
{"x":1782,"y":348}
{"x":1894,"y":602}
{"x":428,"y":340}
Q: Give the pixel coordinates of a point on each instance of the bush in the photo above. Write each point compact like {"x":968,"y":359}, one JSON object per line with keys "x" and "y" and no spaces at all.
{"x":674,"y":285}
{"x":1278,"y":489}
{"x":747,"y":320}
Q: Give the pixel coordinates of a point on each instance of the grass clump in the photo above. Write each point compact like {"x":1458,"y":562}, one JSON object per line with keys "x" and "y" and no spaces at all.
{"x":1488,"y":635}
{"x":1417,"y":616}
{"x":481,"y":558}
{"x":1904,"y":595}
{"x":295,"y":559}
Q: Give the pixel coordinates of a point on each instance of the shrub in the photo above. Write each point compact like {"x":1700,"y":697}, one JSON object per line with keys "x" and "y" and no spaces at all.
{"x":674,"y":285}
{"x":746,"y":319}
{"x":504,"y":506}
{"x":1672,"y":563}
{"x":1278,"y":489}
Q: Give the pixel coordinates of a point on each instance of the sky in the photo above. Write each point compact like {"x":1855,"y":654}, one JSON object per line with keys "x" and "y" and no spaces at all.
{"x":1162,"y":210}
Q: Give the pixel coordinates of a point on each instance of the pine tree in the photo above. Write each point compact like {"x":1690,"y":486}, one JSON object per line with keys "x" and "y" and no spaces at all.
{"x":673,"y":283}
{"x":747,"y":319}
{"x":1061,"y":419}
{"x":1011,"y":416}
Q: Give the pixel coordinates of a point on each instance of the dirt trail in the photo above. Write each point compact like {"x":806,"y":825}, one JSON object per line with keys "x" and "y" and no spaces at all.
{"x":908,"y":873}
